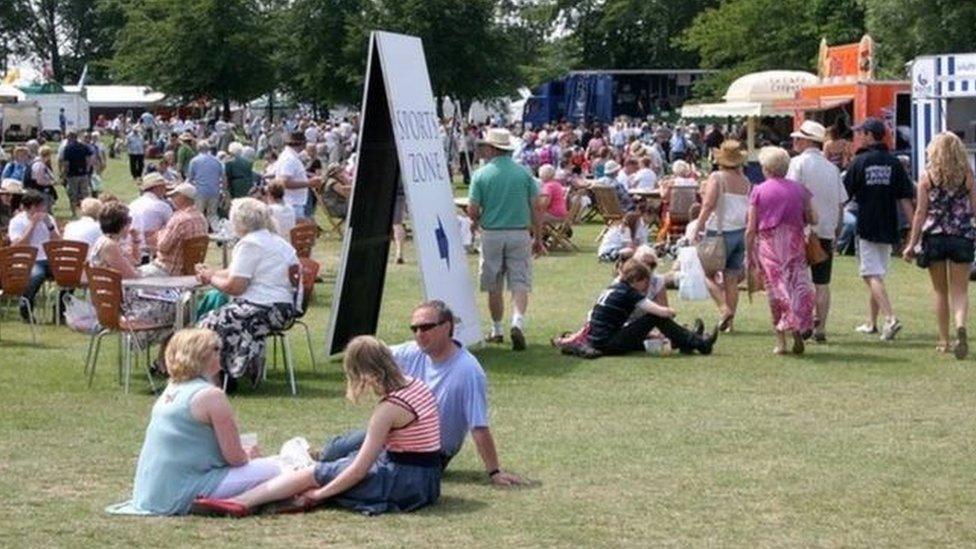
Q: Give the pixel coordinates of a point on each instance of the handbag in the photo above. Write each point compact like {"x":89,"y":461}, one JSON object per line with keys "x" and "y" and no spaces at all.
{"x":711,"y":249}
{"x":815,"y":252}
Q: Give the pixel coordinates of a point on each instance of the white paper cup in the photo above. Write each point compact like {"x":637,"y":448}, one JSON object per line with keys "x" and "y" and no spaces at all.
{"x":653,"y":346}
{"x":249,"y":440}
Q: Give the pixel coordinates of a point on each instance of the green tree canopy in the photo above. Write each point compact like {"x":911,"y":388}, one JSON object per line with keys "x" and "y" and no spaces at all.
{"x":191,"y":48}
{"x":905,"y":29}
{"x":743,"y":36}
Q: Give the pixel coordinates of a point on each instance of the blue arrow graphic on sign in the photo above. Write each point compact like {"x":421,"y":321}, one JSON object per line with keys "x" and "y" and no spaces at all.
{"x":442,"y":247}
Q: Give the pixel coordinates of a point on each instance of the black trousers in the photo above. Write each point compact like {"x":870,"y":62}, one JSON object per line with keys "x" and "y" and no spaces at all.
{"x":136,"y":165}
{"x":632,"y":335}
{"x":465,"y":169}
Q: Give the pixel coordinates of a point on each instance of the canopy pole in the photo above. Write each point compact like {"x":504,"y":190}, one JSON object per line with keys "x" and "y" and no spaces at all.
{"x":751,"y":137}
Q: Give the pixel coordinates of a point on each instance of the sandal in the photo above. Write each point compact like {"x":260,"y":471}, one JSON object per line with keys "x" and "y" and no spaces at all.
{"x":219,"y":507}
{"x":779,"y":351}
{"x":726,"y":324}
{"x":942,"y":348}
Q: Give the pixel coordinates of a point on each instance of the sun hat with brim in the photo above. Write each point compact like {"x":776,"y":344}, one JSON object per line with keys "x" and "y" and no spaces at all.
{"x":811,"y":131}
{"x":730,"y":154}
{"x":186,"y":136}
{"x":11,"y":186}
{"x":499,"y":138}
{"x":184,"y":189}
{"x":637,"y":148}
{"x":611,"y":167}
{"x":152,"y":180}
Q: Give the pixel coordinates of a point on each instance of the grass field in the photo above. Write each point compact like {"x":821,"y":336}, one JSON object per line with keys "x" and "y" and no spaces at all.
{"x":858,"y":443}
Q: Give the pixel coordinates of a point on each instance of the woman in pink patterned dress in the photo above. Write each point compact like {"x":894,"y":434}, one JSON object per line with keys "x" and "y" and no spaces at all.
{"x":779,"y":210}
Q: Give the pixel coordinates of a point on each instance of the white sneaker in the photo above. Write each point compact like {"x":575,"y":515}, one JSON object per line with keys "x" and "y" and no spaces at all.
{"x":866,"y":329}
{"x":891,"y":329}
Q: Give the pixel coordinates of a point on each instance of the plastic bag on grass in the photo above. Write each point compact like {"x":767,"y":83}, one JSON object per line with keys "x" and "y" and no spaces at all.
{"x":691,"y":284}
{"x":79,"y":315}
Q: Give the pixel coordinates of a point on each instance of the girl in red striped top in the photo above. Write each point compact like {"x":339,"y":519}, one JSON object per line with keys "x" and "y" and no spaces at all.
{"x":398,"y":467}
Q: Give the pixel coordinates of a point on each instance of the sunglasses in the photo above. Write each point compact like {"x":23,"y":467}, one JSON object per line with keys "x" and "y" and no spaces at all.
{"x":425,"y":327}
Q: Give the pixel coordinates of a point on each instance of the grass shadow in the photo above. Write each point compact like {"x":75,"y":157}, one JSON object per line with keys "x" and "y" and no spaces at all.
{"x":848,"y":357}
{"x":535,"y":361}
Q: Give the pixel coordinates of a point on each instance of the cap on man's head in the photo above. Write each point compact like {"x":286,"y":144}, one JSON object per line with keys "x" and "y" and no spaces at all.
{"x":873,"y":126}
{"x":184,"y":189}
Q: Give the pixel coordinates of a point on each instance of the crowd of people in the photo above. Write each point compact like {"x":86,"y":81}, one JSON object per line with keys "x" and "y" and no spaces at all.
{"x":779,"y":230}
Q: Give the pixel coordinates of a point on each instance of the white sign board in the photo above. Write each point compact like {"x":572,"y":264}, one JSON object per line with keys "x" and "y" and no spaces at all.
{"x":423,"y":173}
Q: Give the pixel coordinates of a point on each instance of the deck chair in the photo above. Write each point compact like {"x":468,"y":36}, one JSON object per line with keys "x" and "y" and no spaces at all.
{"x":558,"y":236}
{"x":678,"y":211}
{"x":607,"y":205}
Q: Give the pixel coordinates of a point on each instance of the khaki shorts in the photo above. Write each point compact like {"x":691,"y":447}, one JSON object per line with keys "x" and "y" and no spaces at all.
{"x":874,"y":257}
{"x":506,"y":254}
{"x":79,"y":187}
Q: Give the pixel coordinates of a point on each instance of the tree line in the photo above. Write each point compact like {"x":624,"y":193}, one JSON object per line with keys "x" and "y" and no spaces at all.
{"x":315,"y":50}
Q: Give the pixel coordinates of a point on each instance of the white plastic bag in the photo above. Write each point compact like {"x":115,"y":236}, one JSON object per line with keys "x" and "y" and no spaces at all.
{"x":294,"y":455}
{"x":691,"y":284}
{"x":80,"y":316}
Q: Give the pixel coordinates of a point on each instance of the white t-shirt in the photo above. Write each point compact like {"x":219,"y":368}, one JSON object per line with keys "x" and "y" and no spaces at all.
{"x":83,"y":229}
{"x":149,"y":213}
{"x":263,"y":258}
{"x":312,"y":135}
{"x":283,"y":218}
{"x":822,"y":178}
{"x":289,"y":166}
{"x":19,"y":225}
{"x":616,"y":237}
{"x":646,"y":179}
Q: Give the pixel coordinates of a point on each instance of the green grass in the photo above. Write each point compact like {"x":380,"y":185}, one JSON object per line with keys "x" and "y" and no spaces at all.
{"x":856,"y":443}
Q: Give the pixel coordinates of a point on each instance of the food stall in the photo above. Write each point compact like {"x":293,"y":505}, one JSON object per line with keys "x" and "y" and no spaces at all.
{"x":846,"y":89}
{"x":753,"y":98}
{"x":943,"y":99}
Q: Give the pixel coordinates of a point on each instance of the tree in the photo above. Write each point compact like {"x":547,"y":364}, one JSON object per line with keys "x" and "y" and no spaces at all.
{"x":64,"y":34}
{"x":192,"y":48}
{"x":630,"y":34}
{"x":905,"y":29}
{"x":743,"y":36}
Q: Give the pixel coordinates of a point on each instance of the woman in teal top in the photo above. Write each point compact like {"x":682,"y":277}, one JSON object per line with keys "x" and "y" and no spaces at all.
{"x":192,"y":445}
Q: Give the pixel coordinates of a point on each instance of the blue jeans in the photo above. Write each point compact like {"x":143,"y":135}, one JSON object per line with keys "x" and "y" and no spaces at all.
{"x":40,"y":272}
{"x":350,"y":442}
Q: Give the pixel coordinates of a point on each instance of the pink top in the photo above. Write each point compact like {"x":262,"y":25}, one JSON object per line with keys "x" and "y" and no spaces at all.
{"x":779,"y":202}
{"x":557,"y":198}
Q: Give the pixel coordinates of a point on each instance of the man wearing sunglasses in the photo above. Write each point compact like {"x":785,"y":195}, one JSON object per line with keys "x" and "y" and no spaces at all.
{"x":458,"y":383}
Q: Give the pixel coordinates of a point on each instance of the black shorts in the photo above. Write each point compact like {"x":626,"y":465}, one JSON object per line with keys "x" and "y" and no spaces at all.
{"x":821,"y":271}
{"x":942,"y":247}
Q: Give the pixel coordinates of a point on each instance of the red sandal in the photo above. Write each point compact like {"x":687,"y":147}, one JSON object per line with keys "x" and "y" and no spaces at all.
{"x":219,"y":507}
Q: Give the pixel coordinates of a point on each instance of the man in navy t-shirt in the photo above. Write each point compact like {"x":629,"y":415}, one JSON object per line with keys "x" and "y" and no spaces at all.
{"x":877,"y":182}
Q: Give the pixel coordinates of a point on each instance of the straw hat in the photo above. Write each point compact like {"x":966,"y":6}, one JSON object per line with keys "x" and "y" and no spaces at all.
{"x":811,"y":131}
{"x":151,"y":180}
{"x":611,"y":167}
{"x":637,"y":149}
{"x":730,"y":154}
{"x":184,"y":189}
{"x":11,"y":186}
{"x":499,"y":138}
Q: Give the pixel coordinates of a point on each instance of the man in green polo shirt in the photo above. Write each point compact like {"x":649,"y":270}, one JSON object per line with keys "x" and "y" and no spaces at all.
{"x":185,"y":153}
{"x":503,"y":200}
{"x":239,"y":172}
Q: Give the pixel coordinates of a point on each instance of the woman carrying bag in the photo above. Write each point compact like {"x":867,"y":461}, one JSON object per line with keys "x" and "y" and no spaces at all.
{"x":725,"y":201}
{"x":943,"y":223}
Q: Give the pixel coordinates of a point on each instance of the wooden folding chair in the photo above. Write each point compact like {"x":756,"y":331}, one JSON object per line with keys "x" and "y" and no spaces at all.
{"x":678,"y":212}
{"x":558,"y":236}
{"x":16,"y":263}
{"x":608,"y":205}
{"x":66,"y":259}
{"x":194,"y":251}
{"x":303,"y":238}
